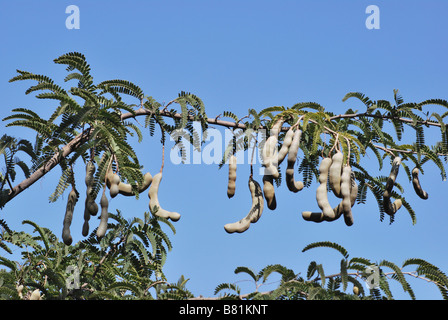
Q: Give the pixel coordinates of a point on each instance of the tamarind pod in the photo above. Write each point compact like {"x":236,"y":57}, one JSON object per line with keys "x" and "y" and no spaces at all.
{"x":89,"y":208}
{"x":270,"y":152}
{"x":102,"y":228}
{"x":294,"y":186}
{"x":154,"y":200}
{"x":232,"y":177}
{"x":114,"y":182}
{"x":391,"y":208}
{"x":416,"y":183}
{"x":125,"y":189}
{"x":35,"y":295}
{"x":338,"y":210}
{"x":255,"y":211}
{"x":335,"y":173}
{"x":321,"y":192}
{"x":269,"y":191}
{"x":71,"y":202}
{"x":392,"y":176}
{"x":346,"y":186}
{"x":285,"y":146}
{"x":90,"y":170}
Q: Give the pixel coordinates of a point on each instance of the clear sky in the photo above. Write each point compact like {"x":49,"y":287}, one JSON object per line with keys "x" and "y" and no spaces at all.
{"x":237,"y":55}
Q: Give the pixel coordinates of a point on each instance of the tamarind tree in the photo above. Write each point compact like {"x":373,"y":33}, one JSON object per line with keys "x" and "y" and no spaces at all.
{"x":94,"y":122}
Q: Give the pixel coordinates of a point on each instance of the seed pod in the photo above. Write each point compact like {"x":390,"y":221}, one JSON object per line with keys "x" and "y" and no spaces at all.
{"x":255,"y":211}
{"x":335,"y":173}
{"x":346,"y":195}
{"x":232,"y":177}
{"x":89,"y":206}
{"x":269,"y":191}
{"x":35,"y":295}
{"x":392,"y":208}
{"x":285,"y":146}
{"x":102,"y":228}
{"x":321,"y":192}
{"x":125,"y":189}
{"x":154,"y":200}
{"x":416,"y":183}
{"x":338,"y":211}
{"x":270,"y":153}
{"x":114,"y":182}
{"x":294,"y":186}
{"x":71,"y":202}
{"x":392,"y":176}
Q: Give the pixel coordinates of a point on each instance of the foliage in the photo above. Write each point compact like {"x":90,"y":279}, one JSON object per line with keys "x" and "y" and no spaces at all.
{"x":353,"y":275}
{"x":125,"y":264}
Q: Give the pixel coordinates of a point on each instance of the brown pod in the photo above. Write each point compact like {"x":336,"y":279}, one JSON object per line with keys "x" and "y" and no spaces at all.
{"x":416,"y":183}
{"x":102,"y":228}
{"x":389,"y":207}
{"x":336,"y":173}
{"x":154,"y":200}
{"x":294,"y":186}
{"x":71,"y":202}
{"x":269,"y":191}
{"x":255,"y":211}
{"x":231,"y":184}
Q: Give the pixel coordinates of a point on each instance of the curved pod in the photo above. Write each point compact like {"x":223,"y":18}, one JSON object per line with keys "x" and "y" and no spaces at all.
{"x":336,"y":173}
{"x":294,"y":186}
{"x":255,"y":211}
{"x":321,"y":192}
{"x":417,"y":187}
{"x":154,"y":205}
{"x":287,"y":141}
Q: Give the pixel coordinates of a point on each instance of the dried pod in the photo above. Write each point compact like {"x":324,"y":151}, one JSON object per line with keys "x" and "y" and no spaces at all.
{"x":416,"y":183}
{"x":255,"y":211}
{"x":89,"y":207}
{"x":269,"y":191}
{"x":125,"y":189}
{"x":71,"y":202}
{"x":339,"y":210}
{"x":294,"y":186}
{"x":335,"y":173}
{"x":392,"y":176}
{"x":102,"y":228}
{"x":154,"y":200}
{"x":346,"y":186}
{"x":392,"y":208}
{"x":270,"y":152}
{"x":321,"y":192}
{"x":114,"y":182}
{"x":287,"y":141}
{"x":232,"y":176}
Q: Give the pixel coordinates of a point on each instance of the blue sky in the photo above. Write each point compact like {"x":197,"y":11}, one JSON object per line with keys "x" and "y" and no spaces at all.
{"x":237,"y":55}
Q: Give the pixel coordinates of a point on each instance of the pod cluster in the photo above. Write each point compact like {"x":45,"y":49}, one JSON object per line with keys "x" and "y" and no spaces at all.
{"x":116,"y":187}
{"x":271,"y":159}
{"x":341,"y":181}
